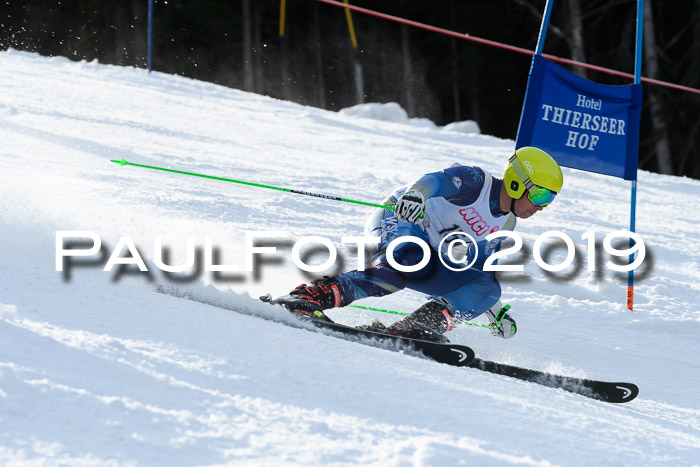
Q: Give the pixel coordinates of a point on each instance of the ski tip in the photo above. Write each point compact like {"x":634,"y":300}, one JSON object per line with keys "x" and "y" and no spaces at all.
{"x":464,"y":355}
{"x":624,"y":392}
{"x":267,"y":298}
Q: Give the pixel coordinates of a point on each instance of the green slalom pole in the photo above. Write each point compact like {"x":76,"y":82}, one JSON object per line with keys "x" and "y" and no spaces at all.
{"x":122,"y":162}
{"x":406,"y":314}
{"x":378,"y":309}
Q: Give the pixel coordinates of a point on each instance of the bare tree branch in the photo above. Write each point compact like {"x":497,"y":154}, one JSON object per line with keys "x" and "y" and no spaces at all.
{"x":538,"y":14}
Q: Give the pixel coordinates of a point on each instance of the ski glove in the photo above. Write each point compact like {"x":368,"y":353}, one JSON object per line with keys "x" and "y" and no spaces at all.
{"x":500,"y":323}
{"x":409,"y":208}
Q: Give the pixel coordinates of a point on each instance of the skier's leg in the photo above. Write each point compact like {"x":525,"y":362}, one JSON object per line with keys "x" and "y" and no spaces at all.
{"x":469,"y":293}
{"x":455,"y":296}
{"x":428,"y":322}
{"x":479,"y":292}
{"x":382,"y":279}
{"x":343,"y":289}
{"x":377,"y":281}
{"x":474,"y":292}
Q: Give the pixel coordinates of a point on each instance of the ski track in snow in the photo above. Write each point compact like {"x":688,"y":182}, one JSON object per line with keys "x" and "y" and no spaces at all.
{"x":99,"y":369}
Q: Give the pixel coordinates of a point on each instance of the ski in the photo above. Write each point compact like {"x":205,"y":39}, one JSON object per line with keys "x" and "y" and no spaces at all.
{"x":599,"y":390}
{"x":449,"y":354}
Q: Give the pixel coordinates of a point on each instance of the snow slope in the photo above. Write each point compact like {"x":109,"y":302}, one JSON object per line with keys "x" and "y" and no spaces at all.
{"x":96,"y":368}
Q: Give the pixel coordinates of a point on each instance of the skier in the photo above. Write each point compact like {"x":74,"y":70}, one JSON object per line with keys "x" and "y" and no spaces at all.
{"x":458,"y":199}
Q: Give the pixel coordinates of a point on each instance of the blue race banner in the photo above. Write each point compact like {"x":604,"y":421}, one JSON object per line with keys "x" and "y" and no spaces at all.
{"x":582,"y":124}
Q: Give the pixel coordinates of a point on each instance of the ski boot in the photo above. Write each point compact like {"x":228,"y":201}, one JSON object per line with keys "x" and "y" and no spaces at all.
{"x":501,"y":323}
{"x":427,"y":323}
{"x":309,"y":301}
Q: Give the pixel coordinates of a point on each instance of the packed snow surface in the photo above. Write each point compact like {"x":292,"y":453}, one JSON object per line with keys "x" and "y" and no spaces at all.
{"x":98,"y":368}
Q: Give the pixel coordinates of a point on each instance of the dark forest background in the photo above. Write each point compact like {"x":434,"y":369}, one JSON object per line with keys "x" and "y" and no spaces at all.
{"x":237,"y":43}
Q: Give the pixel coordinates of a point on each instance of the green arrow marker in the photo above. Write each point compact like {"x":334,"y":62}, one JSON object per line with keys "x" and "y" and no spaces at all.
{"x":123,"y":162}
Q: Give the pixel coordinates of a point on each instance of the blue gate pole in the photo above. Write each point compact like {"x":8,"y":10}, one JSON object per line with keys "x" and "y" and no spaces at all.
{"x":633,"y":202}
{"x":150,"y":35}
{"x":543,"y":26}
{"x":538,"y":51}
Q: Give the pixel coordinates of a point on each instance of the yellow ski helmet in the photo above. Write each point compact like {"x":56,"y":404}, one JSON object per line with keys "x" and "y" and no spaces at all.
{"x":532,"y":168}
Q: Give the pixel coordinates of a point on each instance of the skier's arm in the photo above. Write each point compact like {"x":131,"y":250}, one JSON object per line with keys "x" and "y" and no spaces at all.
{"x":410,"y":206}
{"x":460,"y":185}
{"x":429,"y":185}
{"x":457,"y":181}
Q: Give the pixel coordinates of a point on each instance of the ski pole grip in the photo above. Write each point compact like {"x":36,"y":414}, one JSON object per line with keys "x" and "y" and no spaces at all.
{"x":393,"y":208}
{"x":501,"y":314}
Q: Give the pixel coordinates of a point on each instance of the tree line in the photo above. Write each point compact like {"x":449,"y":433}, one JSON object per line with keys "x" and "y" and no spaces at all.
{"x":237,"y":43}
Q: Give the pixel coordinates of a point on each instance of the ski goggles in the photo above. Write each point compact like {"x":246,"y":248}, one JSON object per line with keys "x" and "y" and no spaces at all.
{"x":540,"y":196}
{"x":537,"y":195}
